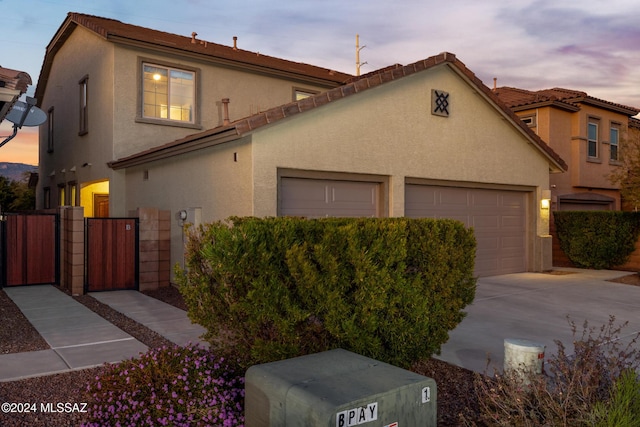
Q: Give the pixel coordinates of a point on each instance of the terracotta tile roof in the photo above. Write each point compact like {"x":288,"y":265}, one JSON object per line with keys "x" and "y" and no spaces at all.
{"x":520,"y":99}
{"x":369,"y":81}
{"x":634,"y":123}
{"x":14,"y":79}
{"x":116,"y":31}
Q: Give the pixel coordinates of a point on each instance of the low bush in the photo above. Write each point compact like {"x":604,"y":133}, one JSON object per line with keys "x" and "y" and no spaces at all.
{"x":178,"y":386}
{"x":623,"y":407}
{"x":390,"y":289}
{"x":575,"y":389}
{"x":597,"y":239}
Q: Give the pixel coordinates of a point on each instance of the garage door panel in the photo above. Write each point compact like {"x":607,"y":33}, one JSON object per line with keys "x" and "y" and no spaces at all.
{"x":486,"y":200}
{"x":481,"y":222}
{"x":453,"y":198}
{"x":498,"y":218}
{"x":316,"y":198}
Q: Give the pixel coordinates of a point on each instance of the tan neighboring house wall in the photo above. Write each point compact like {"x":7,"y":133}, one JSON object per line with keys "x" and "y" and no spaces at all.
{"x":108,"y":55}
{"x":561,"y":118}
{"x":376,"y":129}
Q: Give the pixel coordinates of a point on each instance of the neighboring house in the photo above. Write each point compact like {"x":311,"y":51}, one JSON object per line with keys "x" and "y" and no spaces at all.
{"x":112,"y":89}
{"x":587,"y":132}
{"x":13,"y":84}
{"x":423,"y":140}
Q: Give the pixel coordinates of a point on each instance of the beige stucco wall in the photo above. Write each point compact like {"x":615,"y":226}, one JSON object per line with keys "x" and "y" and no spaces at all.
{"x":248,"y":92}
{"x":386,"y":133}
{"x":114,"y":91}
{"x":217,"y":181}
{"x":389,"y":131}
{"x":85,"y":54}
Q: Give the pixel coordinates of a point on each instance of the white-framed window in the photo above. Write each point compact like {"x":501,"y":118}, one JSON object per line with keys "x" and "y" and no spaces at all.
{"x":614,"y":141}
{"x":529,"y":120}
{"x":168,"y":93}
{"x":83,"y":85}
{"x":592,"y":139}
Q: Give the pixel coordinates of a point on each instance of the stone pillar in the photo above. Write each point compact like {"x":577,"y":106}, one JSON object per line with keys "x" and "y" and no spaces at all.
{"x":154,"y":248}
{"x":72,"y":249}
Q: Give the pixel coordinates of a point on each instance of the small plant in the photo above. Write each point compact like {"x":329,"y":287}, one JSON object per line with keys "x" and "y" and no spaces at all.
{"x":623,"y":407}
{"x":569,"y":389}
{"x":178,"y":386}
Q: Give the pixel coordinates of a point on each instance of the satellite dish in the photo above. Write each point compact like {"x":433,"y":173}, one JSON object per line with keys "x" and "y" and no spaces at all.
{"x":23,"y":114}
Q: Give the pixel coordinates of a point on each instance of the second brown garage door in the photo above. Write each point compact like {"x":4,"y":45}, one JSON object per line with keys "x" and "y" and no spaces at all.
{"x":498,"y":218}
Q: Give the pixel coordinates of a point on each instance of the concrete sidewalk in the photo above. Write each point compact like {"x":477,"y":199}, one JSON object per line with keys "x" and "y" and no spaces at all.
{"x":80,"y":338}
{"x":534,"y":307}
{"x":167,"y":320}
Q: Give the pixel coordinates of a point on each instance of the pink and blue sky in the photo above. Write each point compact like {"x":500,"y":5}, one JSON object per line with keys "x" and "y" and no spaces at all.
{"x":587,"y":45}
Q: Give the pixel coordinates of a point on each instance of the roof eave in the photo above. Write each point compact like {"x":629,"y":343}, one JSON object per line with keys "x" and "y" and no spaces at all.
{"x":556,"y":163}
{"x":229,"y":63}
{"x":187,"y":144}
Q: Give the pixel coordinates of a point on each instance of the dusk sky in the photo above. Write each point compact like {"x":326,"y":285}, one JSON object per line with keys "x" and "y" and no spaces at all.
{"x":587,"y":45}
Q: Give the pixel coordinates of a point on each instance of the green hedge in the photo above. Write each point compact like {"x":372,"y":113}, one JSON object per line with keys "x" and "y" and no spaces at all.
{"x":275,"y":288}
{"x":597,"y":239}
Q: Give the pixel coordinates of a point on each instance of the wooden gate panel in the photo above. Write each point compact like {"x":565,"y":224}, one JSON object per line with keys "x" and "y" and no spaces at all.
{"x":31,"y":249}
{"x":112,"y":254}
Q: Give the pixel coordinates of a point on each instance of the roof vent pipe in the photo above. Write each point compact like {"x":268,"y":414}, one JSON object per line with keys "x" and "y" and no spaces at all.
{"x":235,"y":42}
{"x":225,"y":109}
{"x":495,"y":83}
{"x":193,"y":37}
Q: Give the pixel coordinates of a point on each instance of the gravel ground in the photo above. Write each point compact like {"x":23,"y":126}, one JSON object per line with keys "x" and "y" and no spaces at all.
{"x":455,"y":385}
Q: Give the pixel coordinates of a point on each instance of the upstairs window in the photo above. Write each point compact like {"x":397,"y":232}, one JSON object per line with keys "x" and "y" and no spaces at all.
{"x":84,"y":114}
{"x":168,"y":93}
{"x":614,"y":140}
{"x":592,"y":139}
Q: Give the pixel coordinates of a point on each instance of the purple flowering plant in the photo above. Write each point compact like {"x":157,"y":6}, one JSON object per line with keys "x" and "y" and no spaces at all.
{"x":169,"y":386}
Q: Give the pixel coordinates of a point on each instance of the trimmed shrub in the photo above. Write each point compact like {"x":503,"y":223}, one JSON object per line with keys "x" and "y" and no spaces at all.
{"x":179,"y":386}
{"x":275,"y":288}
{"x":597,"y":239}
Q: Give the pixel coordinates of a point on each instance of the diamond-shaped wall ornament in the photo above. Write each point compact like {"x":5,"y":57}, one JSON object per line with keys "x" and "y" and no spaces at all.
{"x":440,"y":103}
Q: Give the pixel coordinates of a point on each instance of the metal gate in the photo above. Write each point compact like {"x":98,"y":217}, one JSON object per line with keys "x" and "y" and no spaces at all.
{"x":111,"y":254}
{"x":29,"y":249}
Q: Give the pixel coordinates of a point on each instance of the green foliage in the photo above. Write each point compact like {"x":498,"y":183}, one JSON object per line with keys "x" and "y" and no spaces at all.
{"x":623,"y":407}
{"x":275,"y":288}
{"x":16,"y":195}
{"x":597,"y":239}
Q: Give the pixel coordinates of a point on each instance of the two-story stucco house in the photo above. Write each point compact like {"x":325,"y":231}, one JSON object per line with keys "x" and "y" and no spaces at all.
{"x":112,"y":89}
{"x":424,"y":140}
{"x":585,"y":131}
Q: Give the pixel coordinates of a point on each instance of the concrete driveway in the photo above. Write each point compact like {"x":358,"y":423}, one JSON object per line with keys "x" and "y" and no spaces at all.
{"x":534,"y":307}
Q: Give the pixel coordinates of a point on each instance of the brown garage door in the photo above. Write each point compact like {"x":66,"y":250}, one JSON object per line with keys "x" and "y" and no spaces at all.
{"x":498,"y":218}
{"x":318,"y":198}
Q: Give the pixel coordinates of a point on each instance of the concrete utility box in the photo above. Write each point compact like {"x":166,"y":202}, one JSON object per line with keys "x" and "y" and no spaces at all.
{"x":337,"y":388}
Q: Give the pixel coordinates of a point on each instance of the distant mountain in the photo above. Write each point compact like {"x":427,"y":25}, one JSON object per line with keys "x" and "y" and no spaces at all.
{"x":15,"y":171}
